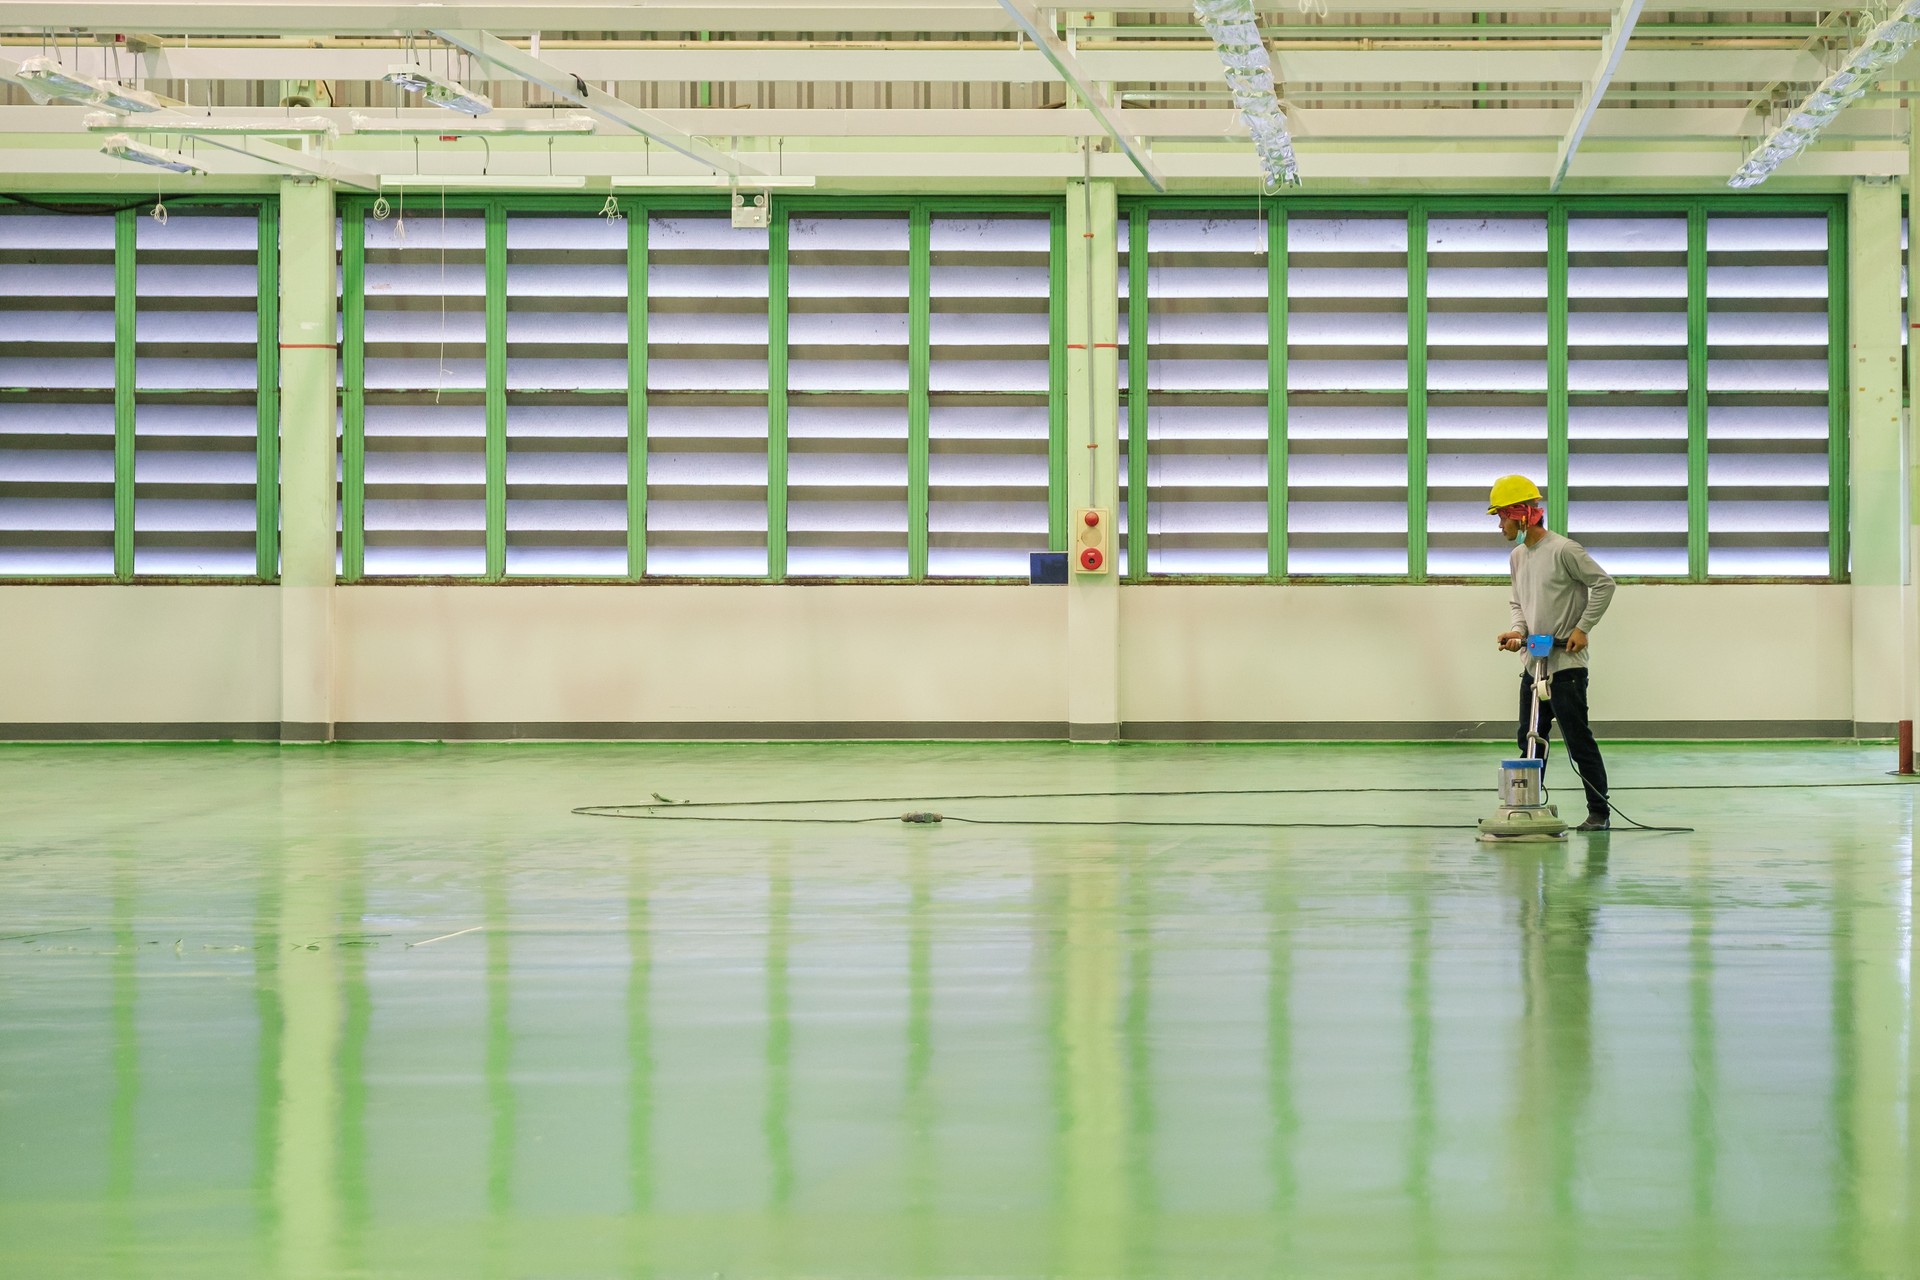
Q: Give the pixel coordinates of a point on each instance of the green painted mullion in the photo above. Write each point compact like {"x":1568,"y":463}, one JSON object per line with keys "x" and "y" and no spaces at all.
{"x":1057,"y":380}
{"x":124,"y":294}
{"x":919,"y":372}
{"x":1417,"y":393}
{"x":1557,"y":368}
{"x":1277,"y":393}
{"x":266,"y":492}
{"x":353,"y":400}
{"x":1696,"y":393}
{"x":1137,"y":355}
{"x":1838,"y":515}
{"x":637,"y":392}
{"x":496,"y":390}
{"x":777,"y":394}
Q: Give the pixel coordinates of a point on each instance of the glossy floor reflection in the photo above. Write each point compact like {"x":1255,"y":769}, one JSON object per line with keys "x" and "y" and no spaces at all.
{"x":395,"y":1012}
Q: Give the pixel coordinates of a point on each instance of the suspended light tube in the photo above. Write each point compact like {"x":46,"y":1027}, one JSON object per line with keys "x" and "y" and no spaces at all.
{"x":1884,"y":47}
{"x":441,"y":93}
{"x":486,"y":182}
{"x":46,"y":79}
{"x":302,"y":126}
{"x":1236,"y":37}
{"x":121,"y":147}
{"x":574,"y":123}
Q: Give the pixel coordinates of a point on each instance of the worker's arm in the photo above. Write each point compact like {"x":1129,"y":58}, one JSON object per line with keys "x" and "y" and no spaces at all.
{"x":1598,"y":582}
{"x":1514,"y":640}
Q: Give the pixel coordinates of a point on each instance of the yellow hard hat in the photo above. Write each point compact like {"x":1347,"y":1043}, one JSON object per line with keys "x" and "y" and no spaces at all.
{"x":1508,"y":490}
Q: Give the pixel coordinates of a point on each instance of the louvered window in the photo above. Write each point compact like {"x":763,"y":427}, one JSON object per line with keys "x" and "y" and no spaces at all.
{"x":1201,"y":399}
{"x":1347,"y":394}
{"x":847,"y":420}
{"x":1487,"y":402}
{"x":707,"y":397}
{"x":426,"y":395}
{"x":989,"y":421}
{"x":1627,"y":390}
{"x":1767,"y":395}
{"x":196,"y":375}
{"x":56,"y":394}
{"x":566,"y":395}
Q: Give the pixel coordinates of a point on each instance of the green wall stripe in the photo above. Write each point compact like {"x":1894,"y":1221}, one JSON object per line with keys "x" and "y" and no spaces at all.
{"x":1696,"y":393}
{"x":919,"y":373}
{"x":496,"y":232}
{"x":1057,"y":380}
{"x":1839,"y":328}
{"x":266,"y":492}
{"x":1138,"y":498}
{"x":1557,"y":468}
{"x":1417,"y":393}
{"x":777,"y":393}
{"x":1277,"y":393}
{"x":637,"y":391}
{"x":125,"y":274}
{"x":353,"y":404}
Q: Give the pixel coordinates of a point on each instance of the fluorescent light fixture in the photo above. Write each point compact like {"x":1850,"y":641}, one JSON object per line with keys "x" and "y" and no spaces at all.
{"x":441,"y":93}
{"x":1885,"y":46}
{"x":756,"y":183}
{"x":577,"y":122}
{"x":486,"y":182}
{"x":121,"y":147}
{"x":105,"y":122}
{"x":46,"y":79}
{"x":1236,"y":37}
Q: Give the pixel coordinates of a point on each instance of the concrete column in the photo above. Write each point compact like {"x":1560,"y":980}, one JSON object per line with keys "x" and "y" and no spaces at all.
{"x":308,"y":470}
{"x":1093,"y":450}
{"x":1877,"y":484}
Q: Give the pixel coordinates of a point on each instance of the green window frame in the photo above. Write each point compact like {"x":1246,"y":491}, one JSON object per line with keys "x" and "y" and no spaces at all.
{"x":1698,"y":398}
{"x":923,"y":214}
{"x":259,"y":402}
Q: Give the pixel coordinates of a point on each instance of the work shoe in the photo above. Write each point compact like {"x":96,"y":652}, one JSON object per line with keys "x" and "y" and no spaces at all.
{"x":1596,"y":822}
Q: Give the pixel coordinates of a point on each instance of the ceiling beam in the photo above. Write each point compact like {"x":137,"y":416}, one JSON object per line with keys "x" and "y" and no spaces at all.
{"x":565,"y":84}
{"x":1611,"y":50}
{"x":1042,"y":34}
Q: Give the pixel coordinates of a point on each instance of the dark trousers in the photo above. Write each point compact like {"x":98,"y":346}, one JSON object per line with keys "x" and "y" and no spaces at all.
{"x":1568,"y":705}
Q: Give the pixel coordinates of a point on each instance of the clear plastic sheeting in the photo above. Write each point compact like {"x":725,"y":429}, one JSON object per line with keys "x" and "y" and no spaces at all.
{"x":566,"y":372}
{"x":1486,"y":378}
{"x":848,"y":284}
{"x":1347,"y":395}
{"x":1249,"y":74}
{"x":426,"y":420}
{"x":1627,"y":391}
{"x":707,"y":397}
{"x":56,"y":394}
{"x":1768,"y":388}
{"x":990,"y":370}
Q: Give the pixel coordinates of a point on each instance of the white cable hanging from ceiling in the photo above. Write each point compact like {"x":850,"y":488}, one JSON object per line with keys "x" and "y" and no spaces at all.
{"x":1884,"y":47}
{"x":1236,"y":36}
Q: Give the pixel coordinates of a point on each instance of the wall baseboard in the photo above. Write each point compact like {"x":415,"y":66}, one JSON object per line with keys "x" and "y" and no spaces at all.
{"x":908,"y":730}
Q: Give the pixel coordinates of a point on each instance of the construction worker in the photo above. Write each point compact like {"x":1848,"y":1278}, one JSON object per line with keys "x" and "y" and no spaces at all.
{"x":1559,"y":591}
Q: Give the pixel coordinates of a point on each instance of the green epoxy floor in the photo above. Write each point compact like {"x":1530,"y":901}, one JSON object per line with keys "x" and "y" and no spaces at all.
{"x":234,"y":1042}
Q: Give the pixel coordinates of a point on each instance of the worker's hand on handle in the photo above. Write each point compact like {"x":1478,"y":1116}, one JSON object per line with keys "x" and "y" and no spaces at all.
{"x":1513,"y":641}
{"x":1577,"y":641}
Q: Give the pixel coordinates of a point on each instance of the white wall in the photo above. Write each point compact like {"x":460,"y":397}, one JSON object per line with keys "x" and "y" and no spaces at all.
{"x":754,"y":660}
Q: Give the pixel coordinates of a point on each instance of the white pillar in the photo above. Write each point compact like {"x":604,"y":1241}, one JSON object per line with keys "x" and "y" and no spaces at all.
{"x":309,"y":413}
{"x":1877,"y":482}
{"x":1093,"y":449}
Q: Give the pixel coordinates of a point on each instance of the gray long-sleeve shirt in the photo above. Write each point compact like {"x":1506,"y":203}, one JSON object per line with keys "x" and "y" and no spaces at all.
{"x":1557,"y":587}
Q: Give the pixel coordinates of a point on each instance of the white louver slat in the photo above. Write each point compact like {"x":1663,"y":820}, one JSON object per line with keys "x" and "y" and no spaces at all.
{"x":426,"y":416}
{"x":56,"y":393}
{"x":196,"y":375}
{"x":1486,"y":379}
{"x":1627,"y":390}
{"x":990,"y":367}
{"x":707,"y":398}
{"x":566,"y":396}
{"x":1768,"y":386}
{"x":847,"y":375}
{"x":1347,"y":395}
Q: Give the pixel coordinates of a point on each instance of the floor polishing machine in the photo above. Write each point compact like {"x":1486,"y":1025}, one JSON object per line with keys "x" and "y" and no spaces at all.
{"x":1524,"y":815}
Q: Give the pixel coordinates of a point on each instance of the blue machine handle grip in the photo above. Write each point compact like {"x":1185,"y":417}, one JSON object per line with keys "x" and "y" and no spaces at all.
{"x":1541,"y":646}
